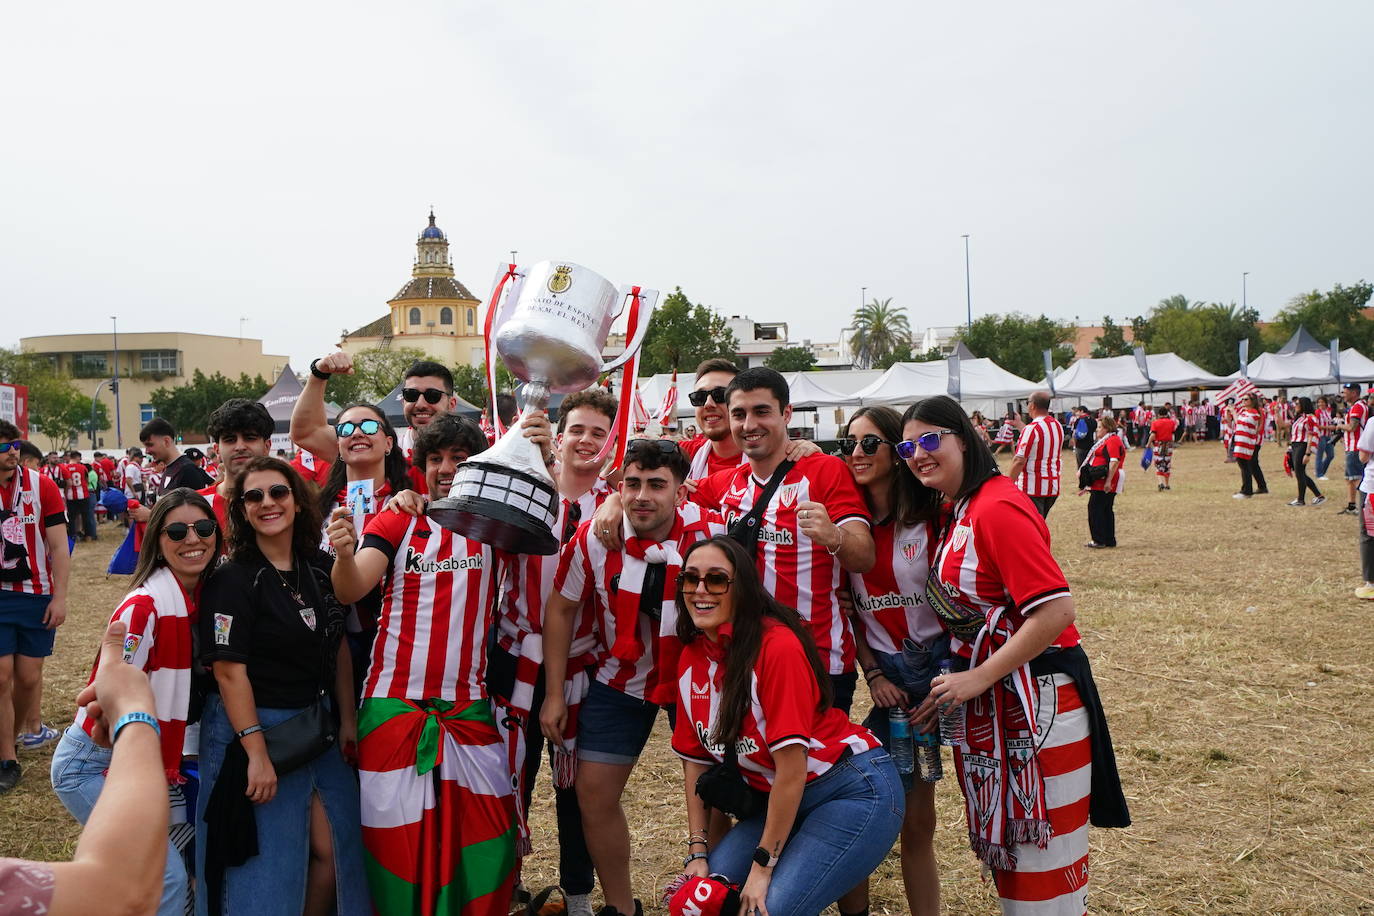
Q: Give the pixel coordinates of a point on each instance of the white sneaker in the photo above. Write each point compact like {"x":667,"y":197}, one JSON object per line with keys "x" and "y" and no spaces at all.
{"x":1319,"y":500}
{"x":1323,"y":477}
{"x":1240,"y":495}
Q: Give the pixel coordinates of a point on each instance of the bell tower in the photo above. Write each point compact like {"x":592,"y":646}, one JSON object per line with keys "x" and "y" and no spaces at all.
{"x":431,"y":254}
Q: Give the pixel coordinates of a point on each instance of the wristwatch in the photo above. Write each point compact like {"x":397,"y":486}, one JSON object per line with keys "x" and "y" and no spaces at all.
{"x":315,"y":370}
{"x":765,"y":858}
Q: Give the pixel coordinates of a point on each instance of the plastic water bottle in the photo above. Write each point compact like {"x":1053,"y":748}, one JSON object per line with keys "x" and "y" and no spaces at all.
{"x":899,"y":740}
{"x":928,"y":765}
{"x":951,"y":720}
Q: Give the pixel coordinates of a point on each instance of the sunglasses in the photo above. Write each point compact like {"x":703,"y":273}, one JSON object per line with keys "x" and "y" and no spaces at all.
{"x":204,"y":529}
{"x":868,"y":443}
{"x":344,"y":430}
{"x":717,"y":583}
{"x":664,"y":447}
{"x":278,"y":492}
{"x":570,"y":523}
{"x":6,"y":446}
{"x":698,"y":398}
{"x":431,"y":395}
{"x":930,"y":442}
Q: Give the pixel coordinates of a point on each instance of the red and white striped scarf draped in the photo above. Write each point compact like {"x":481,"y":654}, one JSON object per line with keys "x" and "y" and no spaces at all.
{"x":1004,"y":789}
{"x":667,"y":411}
{"x":159,"y":641}
{"x":563,"y":761}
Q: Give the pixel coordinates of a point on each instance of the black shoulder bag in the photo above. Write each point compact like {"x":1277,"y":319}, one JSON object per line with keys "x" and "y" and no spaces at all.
{"x":724,"y":788}
{"x":745,"y":530}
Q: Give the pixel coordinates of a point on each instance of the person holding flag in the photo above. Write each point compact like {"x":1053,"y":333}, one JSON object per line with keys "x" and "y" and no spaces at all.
{"x":1245,"y":445}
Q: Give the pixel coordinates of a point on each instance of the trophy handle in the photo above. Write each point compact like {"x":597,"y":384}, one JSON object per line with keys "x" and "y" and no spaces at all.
{"x":648,"y":299}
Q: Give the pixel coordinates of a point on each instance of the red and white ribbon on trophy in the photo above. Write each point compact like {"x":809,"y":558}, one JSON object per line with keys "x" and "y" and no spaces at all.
{"x":619,"y":438}
{"x":505,"y":277}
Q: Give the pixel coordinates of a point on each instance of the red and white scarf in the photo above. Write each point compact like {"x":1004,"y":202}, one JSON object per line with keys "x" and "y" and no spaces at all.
{"x":1004,"y":789}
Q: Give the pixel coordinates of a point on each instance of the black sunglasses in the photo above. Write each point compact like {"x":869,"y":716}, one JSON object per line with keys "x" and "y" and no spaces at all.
{"x":6,"y":446}
{"x":717,"y":583}
{"x":344,"y":430}
{"x":868,"y":443}
{"x":906,"y":449}
{"x":571,"y":521}
{"x":278,"y":492}
{"x":698,"y":398}
{"x":204,"y":529}
{"x":431,"y":395}
{"x":664,"y":447}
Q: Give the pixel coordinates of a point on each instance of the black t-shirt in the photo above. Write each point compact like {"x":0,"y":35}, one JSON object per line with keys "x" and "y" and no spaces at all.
{"x":183,"y":473}
{"x":248,"y":615}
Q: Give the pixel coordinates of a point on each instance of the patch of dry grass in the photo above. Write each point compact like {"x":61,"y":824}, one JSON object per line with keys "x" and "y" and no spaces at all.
{"x":1230,"y":654}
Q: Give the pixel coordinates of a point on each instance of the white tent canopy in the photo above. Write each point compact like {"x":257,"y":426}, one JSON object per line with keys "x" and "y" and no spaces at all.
{"x":809,"y":390}
{"x":1121,"y":375}
{"x":807,"y":393}
{"x":979,"y":379}
{"x":1288,"y":370}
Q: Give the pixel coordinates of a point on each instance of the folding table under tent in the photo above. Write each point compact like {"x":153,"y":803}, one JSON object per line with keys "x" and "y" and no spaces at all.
{"x":1121,"y":375}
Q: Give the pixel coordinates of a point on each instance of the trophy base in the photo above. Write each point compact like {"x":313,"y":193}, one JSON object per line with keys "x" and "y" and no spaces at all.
{"x":500,"y":506}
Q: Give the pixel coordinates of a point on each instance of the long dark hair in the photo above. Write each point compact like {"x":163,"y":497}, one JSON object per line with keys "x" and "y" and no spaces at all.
{"x":1304,"y":406}
{"x":151,"y":557}
{"x":751,"y":605}
{"x":394,"y":466}
{"x":979,"y":465}
{"x":306,"y":527}
{"x":889,"y":424}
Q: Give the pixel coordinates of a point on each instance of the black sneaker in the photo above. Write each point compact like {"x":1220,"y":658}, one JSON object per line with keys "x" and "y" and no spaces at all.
{"x":609,"y":910}
{"x":10,"y":771}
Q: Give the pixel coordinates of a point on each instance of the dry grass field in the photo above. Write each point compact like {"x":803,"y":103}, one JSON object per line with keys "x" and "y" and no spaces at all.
{"x":1231,"y":656}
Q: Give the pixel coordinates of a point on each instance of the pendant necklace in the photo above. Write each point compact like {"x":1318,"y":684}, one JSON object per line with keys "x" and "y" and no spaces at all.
{"x":295,"y":593}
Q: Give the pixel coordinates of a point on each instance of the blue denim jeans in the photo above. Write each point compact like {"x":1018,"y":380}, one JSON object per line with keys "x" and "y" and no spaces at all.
{"x":272,"y":883}
{"x":1326,"y":451}
{"x":78,"y":776}
{"x":847,"y":821}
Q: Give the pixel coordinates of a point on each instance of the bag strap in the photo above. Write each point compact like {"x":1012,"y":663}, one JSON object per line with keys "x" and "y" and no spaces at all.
{"x":745,"y":530}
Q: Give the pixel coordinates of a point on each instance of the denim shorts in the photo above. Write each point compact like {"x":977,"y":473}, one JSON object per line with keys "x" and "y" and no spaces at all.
{"x":21,"y":625}
{"x":614,"y":727}
{"x":1354,"y":467}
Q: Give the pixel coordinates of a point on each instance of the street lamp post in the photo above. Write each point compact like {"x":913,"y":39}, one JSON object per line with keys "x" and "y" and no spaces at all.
{"x":1243,"y":299}
{"x":968,"y":290}
{"x":119,"y":432}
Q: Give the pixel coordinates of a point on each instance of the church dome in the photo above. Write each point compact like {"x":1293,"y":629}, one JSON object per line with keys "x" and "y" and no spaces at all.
{"x":431,"y":231}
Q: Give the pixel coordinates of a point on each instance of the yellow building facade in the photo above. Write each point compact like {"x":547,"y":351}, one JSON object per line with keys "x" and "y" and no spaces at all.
{"x":433,"y":311}
{"x":146,"y":362}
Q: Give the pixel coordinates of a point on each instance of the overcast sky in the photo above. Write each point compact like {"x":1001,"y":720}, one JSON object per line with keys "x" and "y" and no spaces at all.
{"x":183,"y":165}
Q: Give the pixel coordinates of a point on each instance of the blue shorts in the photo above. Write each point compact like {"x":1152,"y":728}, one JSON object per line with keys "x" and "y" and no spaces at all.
{"x":1354,"y":467}
{"x":614,"y":727}
{"x":21,"y":625}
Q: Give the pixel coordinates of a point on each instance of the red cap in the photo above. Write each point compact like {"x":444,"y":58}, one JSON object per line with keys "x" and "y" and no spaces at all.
{"x":704,"y":897}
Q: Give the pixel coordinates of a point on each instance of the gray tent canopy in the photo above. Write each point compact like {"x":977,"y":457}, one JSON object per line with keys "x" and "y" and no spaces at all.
{"x":962,"y":351}
{"x":281,"y":399}
{"x":1302,"y":342}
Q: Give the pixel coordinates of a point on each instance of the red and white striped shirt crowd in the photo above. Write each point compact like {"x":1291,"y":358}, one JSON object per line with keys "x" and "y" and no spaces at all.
{"x":1042,"y":447}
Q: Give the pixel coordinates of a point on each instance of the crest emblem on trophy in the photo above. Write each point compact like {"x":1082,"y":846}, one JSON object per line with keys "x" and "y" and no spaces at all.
{"x":549,"y":329}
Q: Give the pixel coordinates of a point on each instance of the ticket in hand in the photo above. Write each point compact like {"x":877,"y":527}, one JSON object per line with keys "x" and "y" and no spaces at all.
{"x":358,"y":498}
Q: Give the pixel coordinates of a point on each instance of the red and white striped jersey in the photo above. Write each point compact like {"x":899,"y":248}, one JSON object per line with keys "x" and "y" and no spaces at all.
{"x":75,"y":484}
{"x":221,"y":509}
{"x":782,"y":710}
{"x":1305,"y":430}
{"x":703,"y":458}
{"x":1356,"y":417}
{"x":607,"y":581}
{"x":1247,"y":435}
{"x":890,"y":599}
{"x":437,"y":599}
{"x":530,"y":581}
{"x":1042,"y":445}
{"x":315,"y":470}
{"x":1140,"y":416}
{"x":37,"y":505}
{"x":995,"y":551}
{"x":1005,"y":433}
{"x":796,"y":570}
{"x":1324,"y":420}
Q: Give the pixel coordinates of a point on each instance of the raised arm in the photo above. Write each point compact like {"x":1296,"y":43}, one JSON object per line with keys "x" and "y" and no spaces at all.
{"x":309,"y":424}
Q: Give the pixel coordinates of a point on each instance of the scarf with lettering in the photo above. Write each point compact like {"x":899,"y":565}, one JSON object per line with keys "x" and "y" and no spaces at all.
{"x":1004,"y":789}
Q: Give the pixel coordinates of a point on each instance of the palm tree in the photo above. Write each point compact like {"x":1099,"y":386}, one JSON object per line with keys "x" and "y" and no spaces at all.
{"x":879,"y":329}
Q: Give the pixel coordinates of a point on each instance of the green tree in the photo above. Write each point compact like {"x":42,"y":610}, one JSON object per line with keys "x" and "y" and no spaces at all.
{"x":1016,"y":342}
{"x":682,"y":334}
{"x":375,"y":373}
{"x":187,"y":407}
{"x":791,"y":359}
{"x":1207,"y":334}
{"x":1112,"y":340}
{"x":470,"y":383}
{"x":880,"y":328}
{"x":1338,"y":313}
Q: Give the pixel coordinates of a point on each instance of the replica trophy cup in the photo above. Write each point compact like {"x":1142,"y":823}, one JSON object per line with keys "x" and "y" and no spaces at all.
{"x":549,"y":332}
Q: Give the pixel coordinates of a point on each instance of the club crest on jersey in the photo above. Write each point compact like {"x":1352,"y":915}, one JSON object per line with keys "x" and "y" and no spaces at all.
{"x":308,"y":615}
{"x":909,"y":549}
{"x":131,"y":646}
{"x":787,"y":495}
{"x":961,"y":533}
{"x":223,"y":624}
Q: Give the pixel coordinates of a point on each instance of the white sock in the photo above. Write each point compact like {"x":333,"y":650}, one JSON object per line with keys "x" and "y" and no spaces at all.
{"x":579,"y":904}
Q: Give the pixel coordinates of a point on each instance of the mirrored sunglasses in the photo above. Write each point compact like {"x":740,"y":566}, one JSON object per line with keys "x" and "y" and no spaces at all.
{"x":344,"y":430}
{"x":204,"y":529}
{"x":6,"y":446}
{"x":929,"y":442}
{"x":698,"y":398}
{"x":868,"y":443}
{"x":278,"y":492}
